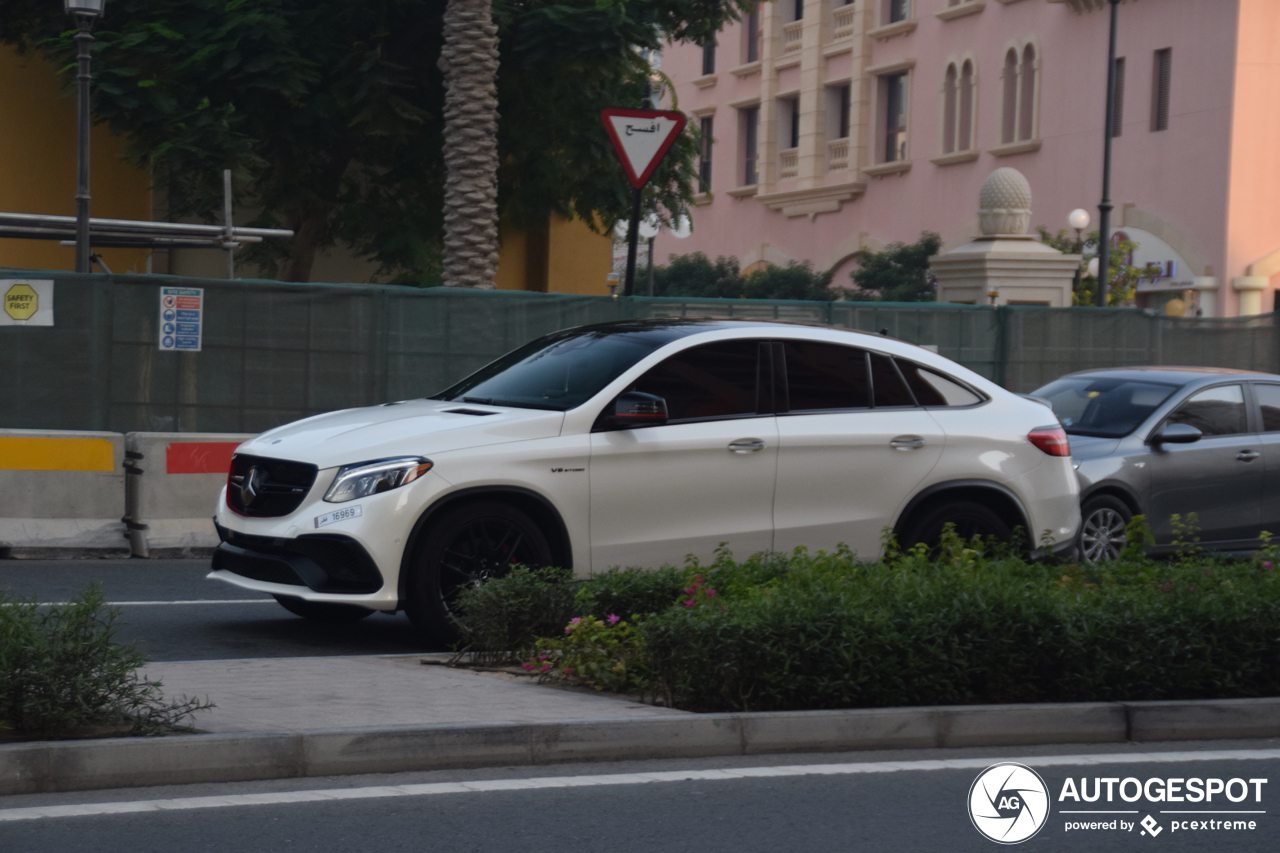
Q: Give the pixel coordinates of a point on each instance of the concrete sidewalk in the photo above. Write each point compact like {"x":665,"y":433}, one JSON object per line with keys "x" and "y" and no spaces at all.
{"x":300,"y":694}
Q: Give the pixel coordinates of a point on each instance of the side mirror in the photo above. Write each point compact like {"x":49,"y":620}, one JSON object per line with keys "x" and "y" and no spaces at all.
{"x":1177,"y":434}
{"x":636,"y":409}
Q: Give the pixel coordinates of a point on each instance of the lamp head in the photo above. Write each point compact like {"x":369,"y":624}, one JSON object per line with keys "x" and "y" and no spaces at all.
{"x":85,"y":8}
{"x":1078,"y":219}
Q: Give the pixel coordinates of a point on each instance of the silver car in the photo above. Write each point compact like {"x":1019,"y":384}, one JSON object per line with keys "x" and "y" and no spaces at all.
{"x":1165,"y":441}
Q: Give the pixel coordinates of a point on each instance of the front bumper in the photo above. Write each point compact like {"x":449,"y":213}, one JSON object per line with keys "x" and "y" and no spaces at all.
{"x":325,"y":563}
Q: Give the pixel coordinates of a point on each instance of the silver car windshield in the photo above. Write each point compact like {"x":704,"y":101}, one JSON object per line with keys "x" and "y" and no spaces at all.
{"x":1104,"y":408}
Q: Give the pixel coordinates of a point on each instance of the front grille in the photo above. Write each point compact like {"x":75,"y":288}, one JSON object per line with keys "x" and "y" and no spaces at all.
{"x":323,"y":562}
{"x":278,"y":486}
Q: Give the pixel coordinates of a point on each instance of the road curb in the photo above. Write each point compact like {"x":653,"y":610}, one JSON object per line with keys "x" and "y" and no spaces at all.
{"x":27,"y":768}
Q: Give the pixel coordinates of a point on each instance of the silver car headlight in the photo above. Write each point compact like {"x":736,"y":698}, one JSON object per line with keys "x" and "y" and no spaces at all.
{"x":371,"y":478}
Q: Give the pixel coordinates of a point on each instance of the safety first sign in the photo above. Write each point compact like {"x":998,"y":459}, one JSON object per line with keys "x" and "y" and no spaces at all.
{"x":26,"y":303}
{"x":181,"y":319}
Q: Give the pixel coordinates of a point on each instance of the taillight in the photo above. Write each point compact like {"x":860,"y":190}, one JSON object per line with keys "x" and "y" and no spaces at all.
{"x":1052,"y":440}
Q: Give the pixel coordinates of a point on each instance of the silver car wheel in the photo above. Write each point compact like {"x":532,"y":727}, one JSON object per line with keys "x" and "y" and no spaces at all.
{"x":1102,"y":536}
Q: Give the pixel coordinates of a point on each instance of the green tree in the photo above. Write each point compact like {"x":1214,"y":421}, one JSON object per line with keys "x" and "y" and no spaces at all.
{"x":694,"y":275}
{"x":1124,"y":277}
{"x":900,"y":273}
{"x":331,"y":113}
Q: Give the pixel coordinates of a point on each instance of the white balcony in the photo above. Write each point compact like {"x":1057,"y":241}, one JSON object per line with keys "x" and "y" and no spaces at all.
{"x":842,"y":26}
{"x":789,"y":163}
{"x":792,"y":37}
{"x":837,"y":155}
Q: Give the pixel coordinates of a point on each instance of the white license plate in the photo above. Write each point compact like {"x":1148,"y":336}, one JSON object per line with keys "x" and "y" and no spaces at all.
{"x":338,"y":515}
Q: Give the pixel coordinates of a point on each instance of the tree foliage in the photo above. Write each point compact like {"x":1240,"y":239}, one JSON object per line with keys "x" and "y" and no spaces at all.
{"x":900,"y":273}
{"x":330,"y":112}
{"x":1124,"y":276}
{"x":697,"y":276}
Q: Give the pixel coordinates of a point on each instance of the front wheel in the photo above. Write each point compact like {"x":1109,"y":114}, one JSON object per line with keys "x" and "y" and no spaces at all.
{"x":467,"y":547}
{"x":1104,"y":521}
{"x":323,"y":611}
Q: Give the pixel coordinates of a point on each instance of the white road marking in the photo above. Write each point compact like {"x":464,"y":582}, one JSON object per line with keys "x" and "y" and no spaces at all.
{"x":155,"y":603}
{"x":537,"y":783}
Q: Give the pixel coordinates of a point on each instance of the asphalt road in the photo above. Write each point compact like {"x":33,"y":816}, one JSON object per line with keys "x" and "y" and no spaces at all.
{"x":171,"y":612}
{"x":908,"y":807}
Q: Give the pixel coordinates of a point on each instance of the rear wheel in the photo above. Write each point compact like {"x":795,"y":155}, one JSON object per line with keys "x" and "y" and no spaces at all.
{"x":970,"y":519}
{"x":1104,"y":521}
{"x":467,"y":547}
{"x":324,"y":611}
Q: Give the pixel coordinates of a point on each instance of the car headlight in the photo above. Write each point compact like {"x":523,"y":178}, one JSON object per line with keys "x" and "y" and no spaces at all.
{"x":371,"y":478}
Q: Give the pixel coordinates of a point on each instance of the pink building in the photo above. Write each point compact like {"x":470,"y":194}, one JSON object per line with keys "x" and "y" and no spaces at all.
{"x":838,"y":127}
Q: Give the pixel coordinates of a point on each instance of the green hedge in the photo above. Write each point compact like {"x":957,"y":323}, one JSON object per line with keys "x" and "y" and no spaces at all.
{"x":825,"y":631}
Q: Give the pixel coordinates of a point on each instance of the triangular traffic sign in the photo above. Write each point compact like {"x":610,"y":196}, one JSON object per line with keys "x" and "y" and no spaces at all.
{"x":641,"y":138}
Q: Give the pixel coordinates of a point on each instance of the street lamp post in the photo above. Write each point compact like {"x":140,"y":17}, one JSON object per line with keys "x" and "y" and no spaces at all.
{"x":1104,"y":207}
{"x":1079,"y":220}
{"x":85,"y":13}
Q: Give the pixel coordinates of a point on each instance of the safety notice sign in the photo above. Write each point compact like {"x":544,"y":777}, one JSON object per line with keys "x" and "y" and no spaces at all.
{"x":24,"y":302}
{"x":181,"y":318}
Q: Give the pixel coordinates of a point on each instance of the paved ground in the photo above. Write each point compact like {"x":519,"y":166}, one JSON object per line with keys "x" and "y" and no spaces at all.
{"x":241,"y":624}
{"x":327,"y":692}
{"x":903,"y":806}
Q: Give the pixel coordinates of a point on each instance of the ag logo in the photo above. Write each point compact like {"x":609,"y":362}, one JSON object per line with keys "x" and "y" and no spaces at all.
{"x":1008,"y":802}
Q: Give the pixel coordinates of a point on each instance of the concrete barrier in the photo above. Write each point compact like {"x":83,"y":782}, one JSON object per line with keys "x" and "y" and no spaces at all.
{"x":171,"y":486}
{"x":61,"y":494}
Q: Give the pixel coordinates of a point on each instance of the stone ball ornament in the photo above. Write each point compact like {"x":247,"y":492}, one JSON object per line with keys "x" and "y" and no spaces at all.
{"x":1004,"y":204}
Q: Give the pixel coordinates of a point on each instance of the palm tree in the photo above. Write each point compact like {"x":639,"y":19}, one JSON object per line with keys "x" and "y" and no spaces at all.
{"x":469,"y":61}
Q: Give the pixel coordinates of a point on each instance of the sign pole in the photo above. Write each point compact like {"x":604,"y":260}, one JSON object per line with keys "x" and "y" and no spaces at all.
{"x":633,"y":235}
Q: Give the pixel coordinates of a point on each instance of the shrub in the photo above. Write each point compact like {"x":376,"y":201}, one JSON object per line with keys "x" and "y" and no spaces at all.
{"x":63,"y":674}
{"x":502,"y":619}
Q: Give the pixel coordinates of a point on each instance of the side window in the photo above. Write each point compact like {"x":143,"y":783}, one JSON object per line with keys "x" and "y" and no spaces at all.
{"x":934,"y":389}
{"x":1213,"y":411}
{"x":710,"y":381}
{"x":826,"y":376}
{"x":889,"y":388}
{"x":1269,"y":404}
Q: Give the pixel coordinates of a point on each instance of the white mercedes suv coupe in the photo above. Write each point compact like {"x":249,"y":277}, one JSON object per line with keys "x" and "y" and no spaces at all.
{"x":637,"y":443}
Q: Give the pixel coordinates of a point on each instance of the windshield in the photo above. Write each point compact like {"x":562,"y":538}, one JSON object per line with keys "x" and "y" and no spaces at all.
{"x":1105,"y":408}
{"x":562,"y":370}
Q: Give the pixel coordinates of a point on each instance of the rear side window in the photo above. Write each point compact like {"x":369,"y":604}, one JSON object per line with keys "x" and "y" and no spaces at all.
{"x":826,"y":376}
{"x":1269,"y":404}
{"x":711,"y":381}
{"x":1213,"y":411}
{"x":934,"y":389}
{"x":889,"y":388}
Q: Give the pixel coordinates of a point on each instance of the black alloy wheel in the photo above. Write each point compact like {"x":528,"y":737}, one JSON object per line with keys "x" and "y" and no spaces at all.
{"x":1103,"y":528}
{"x":467,"y":547}
{"x":969,"y":518}
{"x":324,"y":611}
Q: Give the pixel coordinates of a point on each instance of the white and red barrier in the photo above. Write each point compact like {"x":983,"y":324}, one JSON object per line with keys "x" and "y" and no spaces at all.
{"x":61,"y":494}
{"x":171,"y":490}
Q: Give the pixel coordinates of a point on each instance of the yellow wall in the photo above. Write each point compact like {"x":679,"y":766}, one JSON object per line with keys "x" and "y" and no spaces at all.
{"x":38,"y":166}
{"x":580,"y":260}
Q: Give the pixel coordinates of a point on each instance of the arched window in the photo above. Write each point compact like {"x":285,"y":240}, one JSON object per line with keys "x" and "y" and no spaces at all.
{"x":949,"y":110}
{"x":1027,"y":95}
{"x":1010,"y":104}
{"x":964,"y":138}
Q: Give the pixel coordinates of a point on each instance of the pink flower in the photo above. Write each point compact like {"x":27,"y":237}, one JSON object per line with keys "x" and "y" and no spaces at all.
{"x":545,"y":667}
{"x":568,"y":670}
{"x":575,"y":620}
{"x":568,"y":629}
{"x":1191,"y":589}
{"x":711,"y":593}
{"x":614,"y":619}
{"x":690,"y":590}
{"x":1267,"y":565}
{"x":542,"y":657}
{"x":528,"y":667}
{"x":689,"y":603}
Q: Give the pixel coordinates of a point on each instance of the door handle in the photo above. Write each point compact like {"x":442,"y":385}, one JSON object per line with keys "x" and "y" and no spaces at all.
{"x":907,"y":442}
{"x":1247,"y":455}
{"x":746,"y":445}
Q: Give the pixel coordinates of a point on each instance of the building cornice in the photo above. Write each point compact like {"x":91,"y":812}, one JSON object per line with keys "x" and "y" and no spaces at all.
{"x":888,"y":31}
{"x":962,"y":11}
{"x":811,"y":202}
{"x":1015,"y":148}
